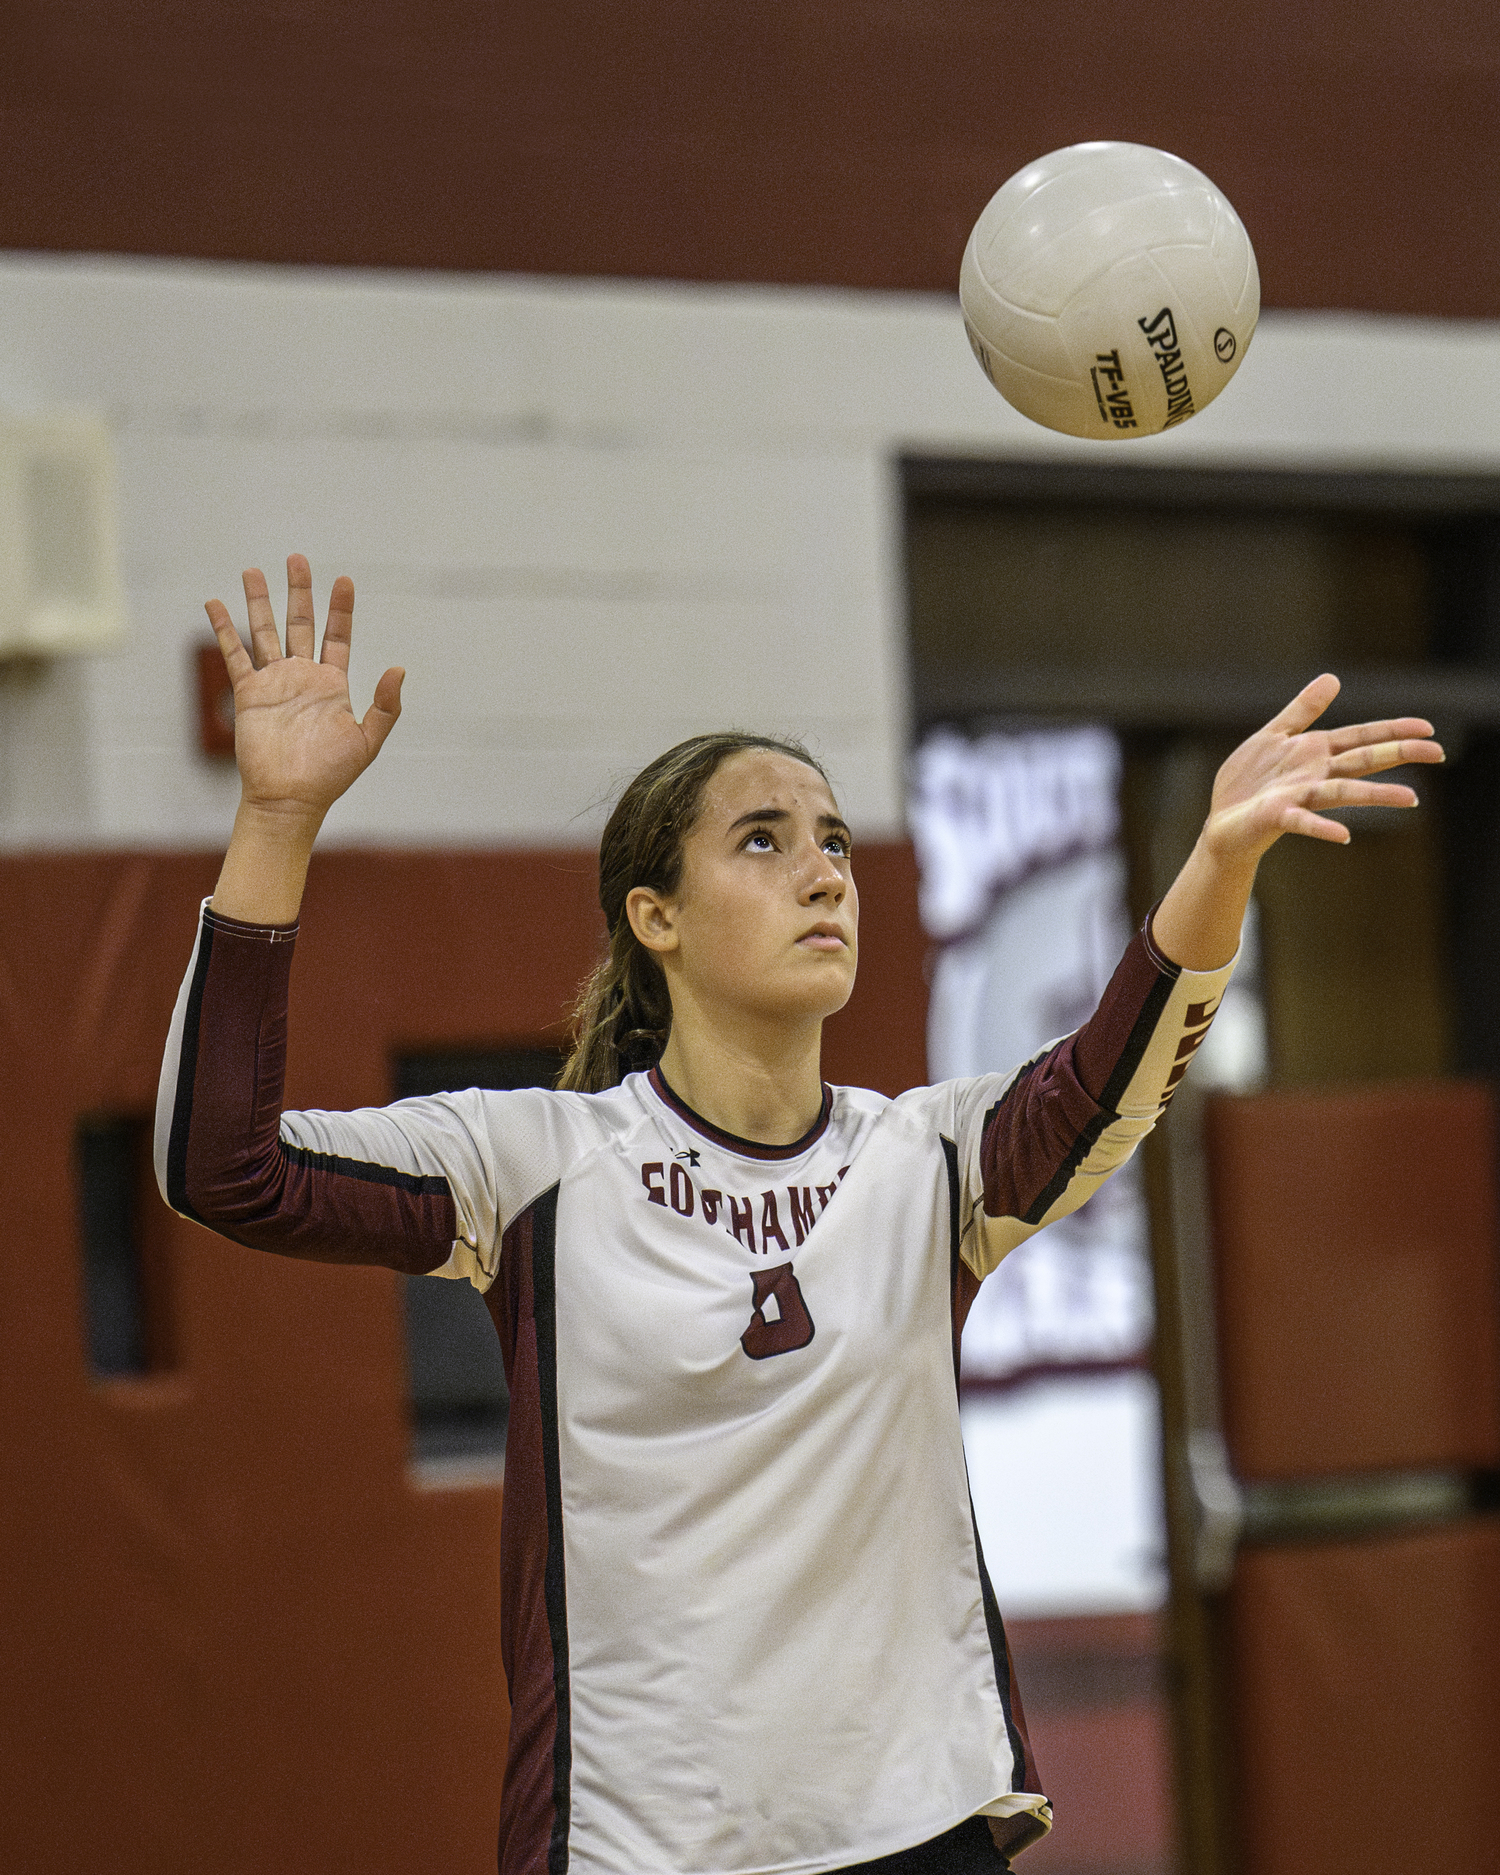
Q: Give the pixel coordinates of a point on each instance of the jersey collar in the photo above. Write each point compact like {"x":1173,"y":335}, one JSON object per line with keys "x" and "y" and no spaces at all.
{"x":747,"y":1148}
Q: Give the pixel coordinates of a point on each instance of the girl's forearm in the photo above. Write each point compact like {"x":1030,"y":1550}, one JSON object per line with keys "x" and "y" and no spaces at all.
{"x":265,"y":867}
{"x":1197,"y":924}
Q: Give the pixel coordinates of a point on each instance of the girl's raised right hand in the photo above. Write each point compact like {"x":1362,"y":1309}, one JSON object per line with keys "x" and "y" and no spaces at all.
{"x":297,"y":741}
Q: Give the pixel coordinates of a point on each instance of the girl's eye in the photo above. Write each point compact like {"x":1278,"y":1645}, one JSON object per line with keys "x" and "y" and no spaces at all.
{"x":836,"y":843}
{"x":759,"y":843}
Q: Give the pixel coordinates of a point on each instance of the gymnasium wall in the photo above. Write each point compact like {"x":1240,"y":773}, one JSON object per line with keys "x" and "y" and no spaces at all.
{"x":816,"y":142}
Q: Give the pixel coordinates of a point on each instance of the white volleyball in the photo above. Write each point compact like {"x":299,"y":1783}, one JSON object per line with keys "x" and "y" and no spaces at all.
{"x":1109,"y":290}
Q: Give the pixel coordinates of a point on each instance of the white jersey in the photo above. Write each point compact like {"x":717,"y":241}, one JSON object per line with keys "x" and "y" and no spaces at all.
{"x":748,"y":1626}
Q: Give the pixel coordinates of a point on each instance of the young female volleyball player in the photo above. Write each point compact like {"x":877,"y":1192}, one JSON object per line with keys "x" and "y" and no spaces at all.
{"x":747,"y":1624}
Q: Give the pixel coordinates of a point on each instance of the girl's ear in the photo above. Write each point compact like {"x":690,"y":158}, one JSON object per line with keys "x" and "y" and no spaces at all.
{"x":652,"y":919}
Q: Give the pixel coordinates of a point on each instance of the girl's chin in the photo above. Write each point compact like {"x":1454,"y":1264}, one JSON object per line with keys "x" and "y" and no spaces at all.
{"x":804,"y":1002}
{"x":816,"y":985}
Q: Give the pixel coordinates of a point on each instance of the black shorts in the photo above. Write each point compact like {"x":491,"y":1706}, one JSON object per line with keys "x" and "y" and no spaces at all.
{"x":968,"y":1850}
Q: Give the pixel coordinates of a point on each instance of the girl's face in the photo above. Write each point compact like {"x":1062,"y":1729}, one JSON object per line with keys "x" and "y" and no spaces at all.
{"x":765,"y":921}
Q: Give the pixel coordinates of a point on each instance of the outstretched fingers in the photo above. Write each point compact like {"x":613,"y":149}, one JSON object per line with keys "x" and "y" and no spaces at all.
{"x":339,"y":630}
{"x":1349,"y":793}
{"x":1303,"y":812}
{"x":237,"y":660}
{"x":1288,"y":777}
{"x":1397,"y":729}
{"x":1306,"y":707}
{"x":1300,"y":807}
{"x":381,"y":716}
{"x":263,"y":634}
{"x":1370,"y":758}
{"x":301,"y":621}
{"x":1303,"y":820}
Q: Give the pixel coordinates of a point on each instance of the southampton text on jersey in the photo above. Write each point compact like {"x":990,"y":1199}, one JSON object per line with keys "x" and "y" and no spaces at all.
{"x":672,"y":1187}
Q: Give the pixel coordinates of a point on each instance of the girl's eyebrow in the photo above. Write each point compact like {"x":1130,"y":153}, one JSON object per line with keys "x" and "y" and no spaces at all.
{"x":759,"y":813}
{"x":830,"y":822}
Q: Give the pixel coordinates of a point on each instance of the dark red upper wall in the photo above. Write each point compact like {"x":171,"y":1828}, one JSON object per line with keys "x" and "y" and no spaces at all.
{"x":850,"y":142}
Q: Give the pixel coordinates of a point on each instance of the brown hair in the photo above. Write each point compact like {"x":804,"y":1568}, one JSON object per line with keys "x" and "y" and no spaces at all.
{"x":624,"y":1014}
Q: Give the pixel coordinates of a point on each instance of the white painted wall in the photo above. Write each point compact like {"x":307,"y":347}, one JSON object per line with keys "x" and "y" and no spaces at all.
{"x":589,"y":517}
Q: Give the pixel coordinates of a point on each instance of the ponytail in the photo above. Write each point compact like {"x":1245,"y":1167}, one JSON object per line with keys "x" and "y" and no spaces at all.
{"x":623,"y":1015}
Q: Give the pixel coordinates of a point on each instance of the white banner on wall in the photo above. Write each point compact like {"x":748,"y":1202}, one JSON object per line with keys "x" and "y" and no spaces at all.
{"x":1023,"y":886}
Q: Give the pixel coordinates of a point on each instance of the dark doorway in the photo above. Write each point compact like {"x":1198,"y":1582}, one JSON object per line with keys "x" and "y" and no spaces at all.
{"x":459,"y":1403}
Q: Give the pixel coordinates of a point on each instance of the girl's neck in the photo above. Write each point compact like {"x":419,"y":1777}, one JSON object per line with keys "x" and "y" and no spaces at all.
{"x":770,"y":1094}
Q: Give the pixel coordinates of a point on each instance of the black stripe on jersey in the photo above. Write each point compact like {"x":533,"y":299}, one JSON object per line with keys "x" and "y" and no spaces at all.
{"x":426,"y":1185}
{"x":1063,"y":1176}
{"x":999,"y":1646}
{"x":187,"y":1071}
{"x":544,"y":1307}
{"x":955,"y":1232}
{"x":1131,"y":1055}
{"x":1000,"y":1653}
{"x":1140,"y":1036}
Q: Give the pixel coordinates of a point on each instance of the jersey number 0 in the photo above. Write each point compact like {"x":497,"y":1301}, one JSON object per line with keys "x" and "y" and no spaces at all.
{"x":780,"y":1321}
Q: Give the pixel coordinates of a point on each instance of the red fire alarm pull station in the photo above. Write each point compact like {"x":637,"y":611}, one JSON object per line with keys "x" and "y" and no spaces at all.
{"x":215,"y":703}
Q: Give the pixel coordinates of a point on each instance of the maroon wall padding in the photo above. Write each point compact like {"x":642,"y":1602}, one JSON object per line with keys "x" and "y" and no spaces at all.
{"x":233,"y":1637}
{"x":1366,"y":1682}
{"x":1355,"y":1245}
{"x":823,"y":141}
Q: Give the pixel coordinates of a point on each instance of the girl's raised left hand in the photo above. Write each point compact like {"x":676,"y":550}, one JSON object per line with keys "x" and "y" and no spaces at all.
{"x":1284,"y":779}
{"x":1287,"y":775}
